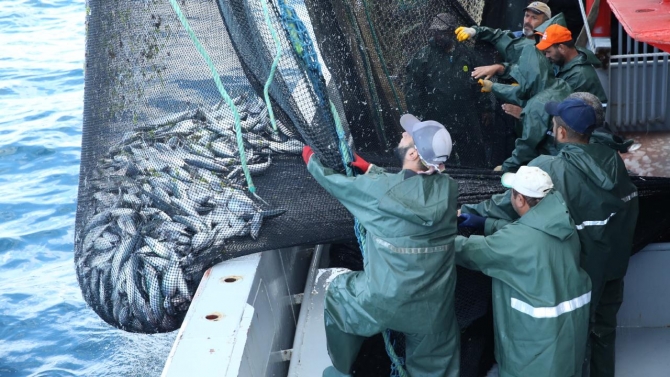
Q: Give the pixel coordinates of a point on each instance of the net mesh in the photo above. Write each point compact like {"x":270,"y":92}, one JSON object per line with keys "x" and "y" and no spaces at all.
{"x":170,"y":159}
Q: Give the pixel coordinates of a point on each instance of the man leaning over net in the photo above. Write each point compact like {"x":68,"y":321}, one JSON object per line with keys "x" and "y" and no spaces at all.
{"x":541,"y":295}
{"x":409,"y":278}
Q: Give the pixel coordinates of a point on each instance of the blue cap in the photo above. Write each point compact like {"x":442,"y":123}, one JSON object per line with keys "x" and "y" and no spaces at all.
{"x":577,"y":114}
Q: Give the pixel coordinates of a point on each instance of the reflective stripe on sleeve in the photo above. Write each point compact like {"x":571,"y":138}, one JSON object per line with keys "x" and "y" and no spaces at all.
{"x":411,"y":250}
{"x":627,"y":198}
{"x":552,"y":312}
{"x":594,"y":222}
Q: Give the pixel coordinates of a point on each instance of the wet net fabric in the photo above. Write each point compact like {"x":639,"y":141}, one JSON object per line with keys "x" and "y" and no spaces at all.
{"x":163,"y":192}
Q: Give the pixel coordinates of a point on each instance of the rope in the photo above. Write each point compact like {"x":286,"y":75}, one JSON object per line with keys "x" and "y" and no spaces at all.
{"x":222,"y":91}
{"x":397,"y":369}
{"x":304,"y":48}
{"x":275,"y":63}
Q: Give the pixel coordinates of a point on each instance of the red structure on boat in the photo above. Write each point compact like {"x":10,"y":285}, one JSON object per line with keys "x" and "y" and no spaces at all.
{"x":644,"y":20}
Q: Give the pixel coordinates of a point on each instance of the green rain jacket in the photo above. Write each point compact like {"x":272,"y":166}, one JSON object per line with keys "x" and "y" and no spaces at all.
{"x":438,"y":87}
{"x":581,"y":75}
{"x":537,"y":86}
{"x":540,"y":294}
{"x":409,"y":276}
{"x":602,"y":201}
{"x":508,"y":43}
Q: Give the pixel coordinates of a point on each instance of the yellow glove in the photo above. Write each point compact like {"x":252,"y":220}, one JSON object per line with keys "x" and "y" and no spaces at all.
{"x":498,"y":168}
{"x":464,"y":33}
{"x":487,"y":85}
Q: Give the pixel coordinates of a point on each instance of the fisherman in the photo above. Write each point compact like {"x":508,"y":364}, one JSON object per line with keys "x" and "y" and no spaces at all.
{"x":508,"y":43}
{"x":536,"y":86}
{"x":572,"y":64}
{"x":438,"y":86}
{"x":602,"y":201}
{"x":409,"y":277}
{"x":541,"y":295}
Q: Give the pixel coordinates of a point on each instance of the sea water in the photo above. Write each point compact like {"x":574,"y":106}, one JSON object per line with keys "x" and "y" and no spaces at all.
{"x":46,"y":328}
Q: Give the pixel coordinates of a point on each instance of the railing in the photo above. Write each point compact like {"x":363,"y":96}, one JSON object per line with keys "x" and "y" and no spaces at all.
{"x":638,"y":87}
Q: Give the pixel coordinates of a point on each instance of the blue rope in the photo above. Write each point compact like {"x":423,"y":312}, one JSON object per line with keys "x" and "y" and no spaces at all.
{"x":304,"y":48}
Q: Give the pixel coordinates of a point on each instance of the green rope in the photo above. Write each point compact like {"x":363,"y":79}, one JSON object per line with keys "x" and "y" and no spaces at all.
{"x":275,"y":63}
{"x":222,"y":91}
{"x":347,"y":157}
{"x":380,"y":55}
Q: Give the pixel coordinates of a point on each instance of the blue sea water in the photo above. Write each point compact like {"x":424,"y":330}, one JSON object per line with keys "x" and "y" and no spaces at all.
{"x":46,"y":328}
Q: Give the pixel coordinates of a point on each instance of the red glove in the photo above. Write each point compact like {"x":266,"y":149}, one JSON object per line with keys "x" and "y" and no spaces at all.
{"x":307,"y":153}
{"x":360,"y":164}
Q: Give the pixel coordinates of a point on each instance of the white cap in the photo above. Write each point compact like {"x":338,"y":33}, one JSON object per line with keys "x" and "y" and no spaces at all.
{"x":529,"y":181}
{"x":431,"y":138}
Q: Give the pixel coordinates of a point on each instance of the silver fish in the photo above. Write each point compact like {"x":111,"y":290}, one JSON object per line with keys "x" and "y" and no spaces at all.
{"x":127,"y":224}
{"x":171,"y":119}
{"x":260,"y":168}
{"x":206,"y":163}
{"x":123,"y":251}
{"x":255,"y":225}
{"x":222,"y":148}
{"x":199,"y":150}
{"x":160,"y":264}
{"x":202,"y":240}
{"x":186,"y":205}
{"x":292,"y":146}
{"x":158,"y":248}
{"x":102,"y":245}
{"x":93,"y":235}
{"x":193,"y":223}
{"x":153,"y":288}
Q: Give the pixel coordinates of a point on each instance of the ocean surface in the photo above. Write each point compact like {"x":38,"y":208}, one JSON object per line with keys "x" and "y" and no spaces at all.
{"x":46,"y":328}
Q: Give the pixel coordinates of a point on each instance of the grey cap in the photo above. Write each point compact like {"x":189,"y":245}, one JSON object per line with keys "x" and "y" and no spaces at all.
{"x":432,"y":140}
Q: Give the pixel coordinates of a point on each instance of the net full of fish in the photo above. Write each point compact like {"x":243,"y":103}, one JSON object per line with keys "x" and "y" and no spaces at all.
{"x":168,"y":197}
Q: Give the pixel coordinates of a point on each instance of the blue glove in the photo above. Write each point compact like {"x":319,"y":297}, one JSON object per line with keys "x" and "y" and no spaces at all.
{"x":471,"y":221}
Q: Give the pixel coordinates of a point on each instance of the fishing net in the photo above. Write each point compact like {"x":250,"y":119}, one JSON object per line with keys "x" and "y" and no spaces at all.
{"x":196,"y":112}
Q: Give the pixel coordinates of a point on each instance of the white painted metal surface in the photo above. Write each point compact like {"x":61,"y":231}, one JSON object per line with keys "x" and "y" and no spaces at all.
{"x":212,"y":338}
{"x":643,"y":335}
{"x":310,"y":354}
{"x":647,"y":289}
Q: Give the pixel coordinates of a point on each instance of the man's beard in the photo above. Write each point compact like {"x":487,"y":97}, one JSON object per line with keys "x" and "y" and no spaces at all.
{"x":528,"y":30}
{"x":400,"y":153}
{"x":560,"y":61}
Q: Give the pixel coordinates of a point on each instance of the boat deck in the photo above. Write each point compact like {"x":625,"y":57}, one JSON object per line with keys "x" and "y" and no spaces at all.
{"x":252,"y":317}
{"x":643,"y":335}
{"x":651,"y":157}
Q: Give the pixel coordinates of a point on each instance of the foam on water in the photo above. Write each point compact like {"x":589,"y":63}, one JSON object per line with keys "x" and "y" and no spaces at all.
{"x":46,"y":329}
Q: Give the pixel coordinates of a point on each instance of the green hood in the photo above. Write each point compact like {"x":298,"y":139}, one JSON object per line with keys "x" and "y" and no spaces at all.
{"x":588,"y":57}
{"x":557,"y":224}
{"x":594,"y":160}
{"x":417,"y":199}
{"x":557,"y":19}
{"x":533,"y":73}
